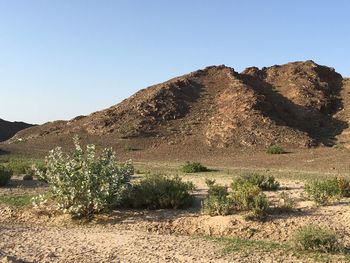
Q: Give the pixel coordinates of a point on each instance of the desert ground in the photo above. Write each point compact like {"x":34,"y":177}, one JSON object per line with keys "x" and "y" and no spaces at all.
{"x":126,"y":235}
{"x":216,"y":116}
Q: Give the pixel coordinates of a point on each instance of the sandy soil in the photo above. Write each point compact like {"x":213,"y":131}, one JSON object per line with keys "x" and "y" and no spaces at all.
{"x":157,"y":236}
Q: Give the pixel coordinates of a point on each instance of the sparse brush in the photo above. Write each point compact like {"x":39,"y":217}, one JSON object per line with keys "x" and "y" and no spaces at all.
{"x":249,"y":197}
{"x":275,"y":149}
{"x":259,"y":206}
{"x":83,"y":183}
{"x":316,"y":238}
{"x":193,"y":167}
{"x":128,"y":148}
{"x":218,"y":201}
{"x":323,"y":191}
{"x":160,"y":191}
{"x":344,"y":185}
{"x":244,"y":197}
{"x":5,"y":175}
{"x":16,"y":200}
{"x":263,"y":182}
{"x":20,"y":166}
{"x":285,"y":203}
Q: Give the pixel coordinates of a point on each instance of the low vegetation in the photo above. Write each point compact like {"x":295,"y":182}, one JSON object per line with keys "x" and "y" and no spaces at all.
{"x":193,"y":167}
{"x":234,"y":244}
{"x":128,"y":148}
{"x":16,"y":200}
{"x":5,"y":175}
{"x":218,"y":201}
{"x":251,"y":246}
{"x":316,"y":238}
{"x":285,"y":203}
{"x":265,"y":183}
{"x":344,"y":185}
{"x":324,"y":191}
{"x":83,"y":183}
{"x":275,"y":149}
{"x":249,"y":197}
{"x":20,"y":166}
{"x":244,"y":196}
{"x":160,"y":191}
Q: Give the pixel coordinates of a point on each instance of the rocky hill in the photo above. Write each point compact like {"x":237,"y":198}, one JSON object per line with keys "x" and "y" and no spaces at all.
{"x":295,"y":104}
{"x":9,"y":129}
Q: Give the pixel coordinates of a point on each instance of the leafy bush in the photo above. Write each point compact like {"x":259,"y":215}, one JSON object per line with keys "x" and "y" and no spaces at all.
{"x":218,"y":201}
{"x":247,"y":196}
{"x":21,"y":166}
{"x":18,"y":166}
{"x":160,"y":191}
{"x":193,"y":167}
{"x":244,"y":197}
{"x":264,"y":183}
{"x":344,"y":185}
{"x":260,"y":205}
{"x":5,"y":175}
{"x":286,"y":202}
{"x":275,"y":149}
{"x":323,"y":191}
{"x":315,"y":238}
{"x":82,"y":183}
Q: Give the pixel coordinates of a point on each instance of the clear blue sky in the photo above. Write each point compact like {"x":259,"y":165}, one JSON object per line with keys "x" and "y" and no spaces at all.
{"x":63,"y":58}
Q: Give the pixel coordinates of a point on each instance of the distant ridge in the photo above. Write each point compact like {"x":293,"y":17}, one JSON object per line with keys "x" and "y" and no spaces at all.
{"x":294,"y":104}
{"x":9,"y":129}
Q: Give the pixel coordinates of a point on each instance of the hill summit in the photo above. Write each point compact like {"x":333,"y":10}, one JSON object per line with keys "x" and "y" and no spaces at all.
{"x":292,"y":104}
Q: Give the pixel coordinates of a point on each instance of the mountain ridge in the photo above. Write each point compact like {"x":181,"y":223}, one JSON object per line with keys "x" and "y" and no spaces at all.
{"x":9,"y":129}
{"x":292,"y":104}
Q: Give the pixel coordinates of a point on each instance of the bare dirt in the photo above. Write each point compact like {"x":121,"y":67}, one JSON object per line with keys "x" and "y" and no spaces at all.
{"x":43,"y":235}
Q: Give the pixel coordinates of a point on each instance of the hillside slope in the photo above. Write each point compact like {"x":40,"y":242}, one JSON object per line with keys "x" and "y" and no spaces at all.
{"x":9,"y":129}
{"x":292,"y":104}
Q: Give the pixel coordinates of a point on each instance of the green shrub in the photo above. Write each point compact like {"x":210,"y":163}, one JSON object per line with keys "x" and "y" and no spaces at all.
{"x":128,"y":148}
{"x":323,"y":191}
{"x":218,"y":201}
{"x":264,"y":183}
{"x":5,"y":175}
{"x":18,"y":166}
{"x":160,"y":191}
{"x":286,"y":202}
{"x":344,"y":185}
{"x":244,"y":197}
{"x":193,"y":167}
{"x":247,"y":196}
{"x":82,"y":183}
{"x":260,"y":205}
{"x":275,"y":149}
{"x":21,"y":166}
{"x":315,"y":238}
{"x":16,"y":200}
